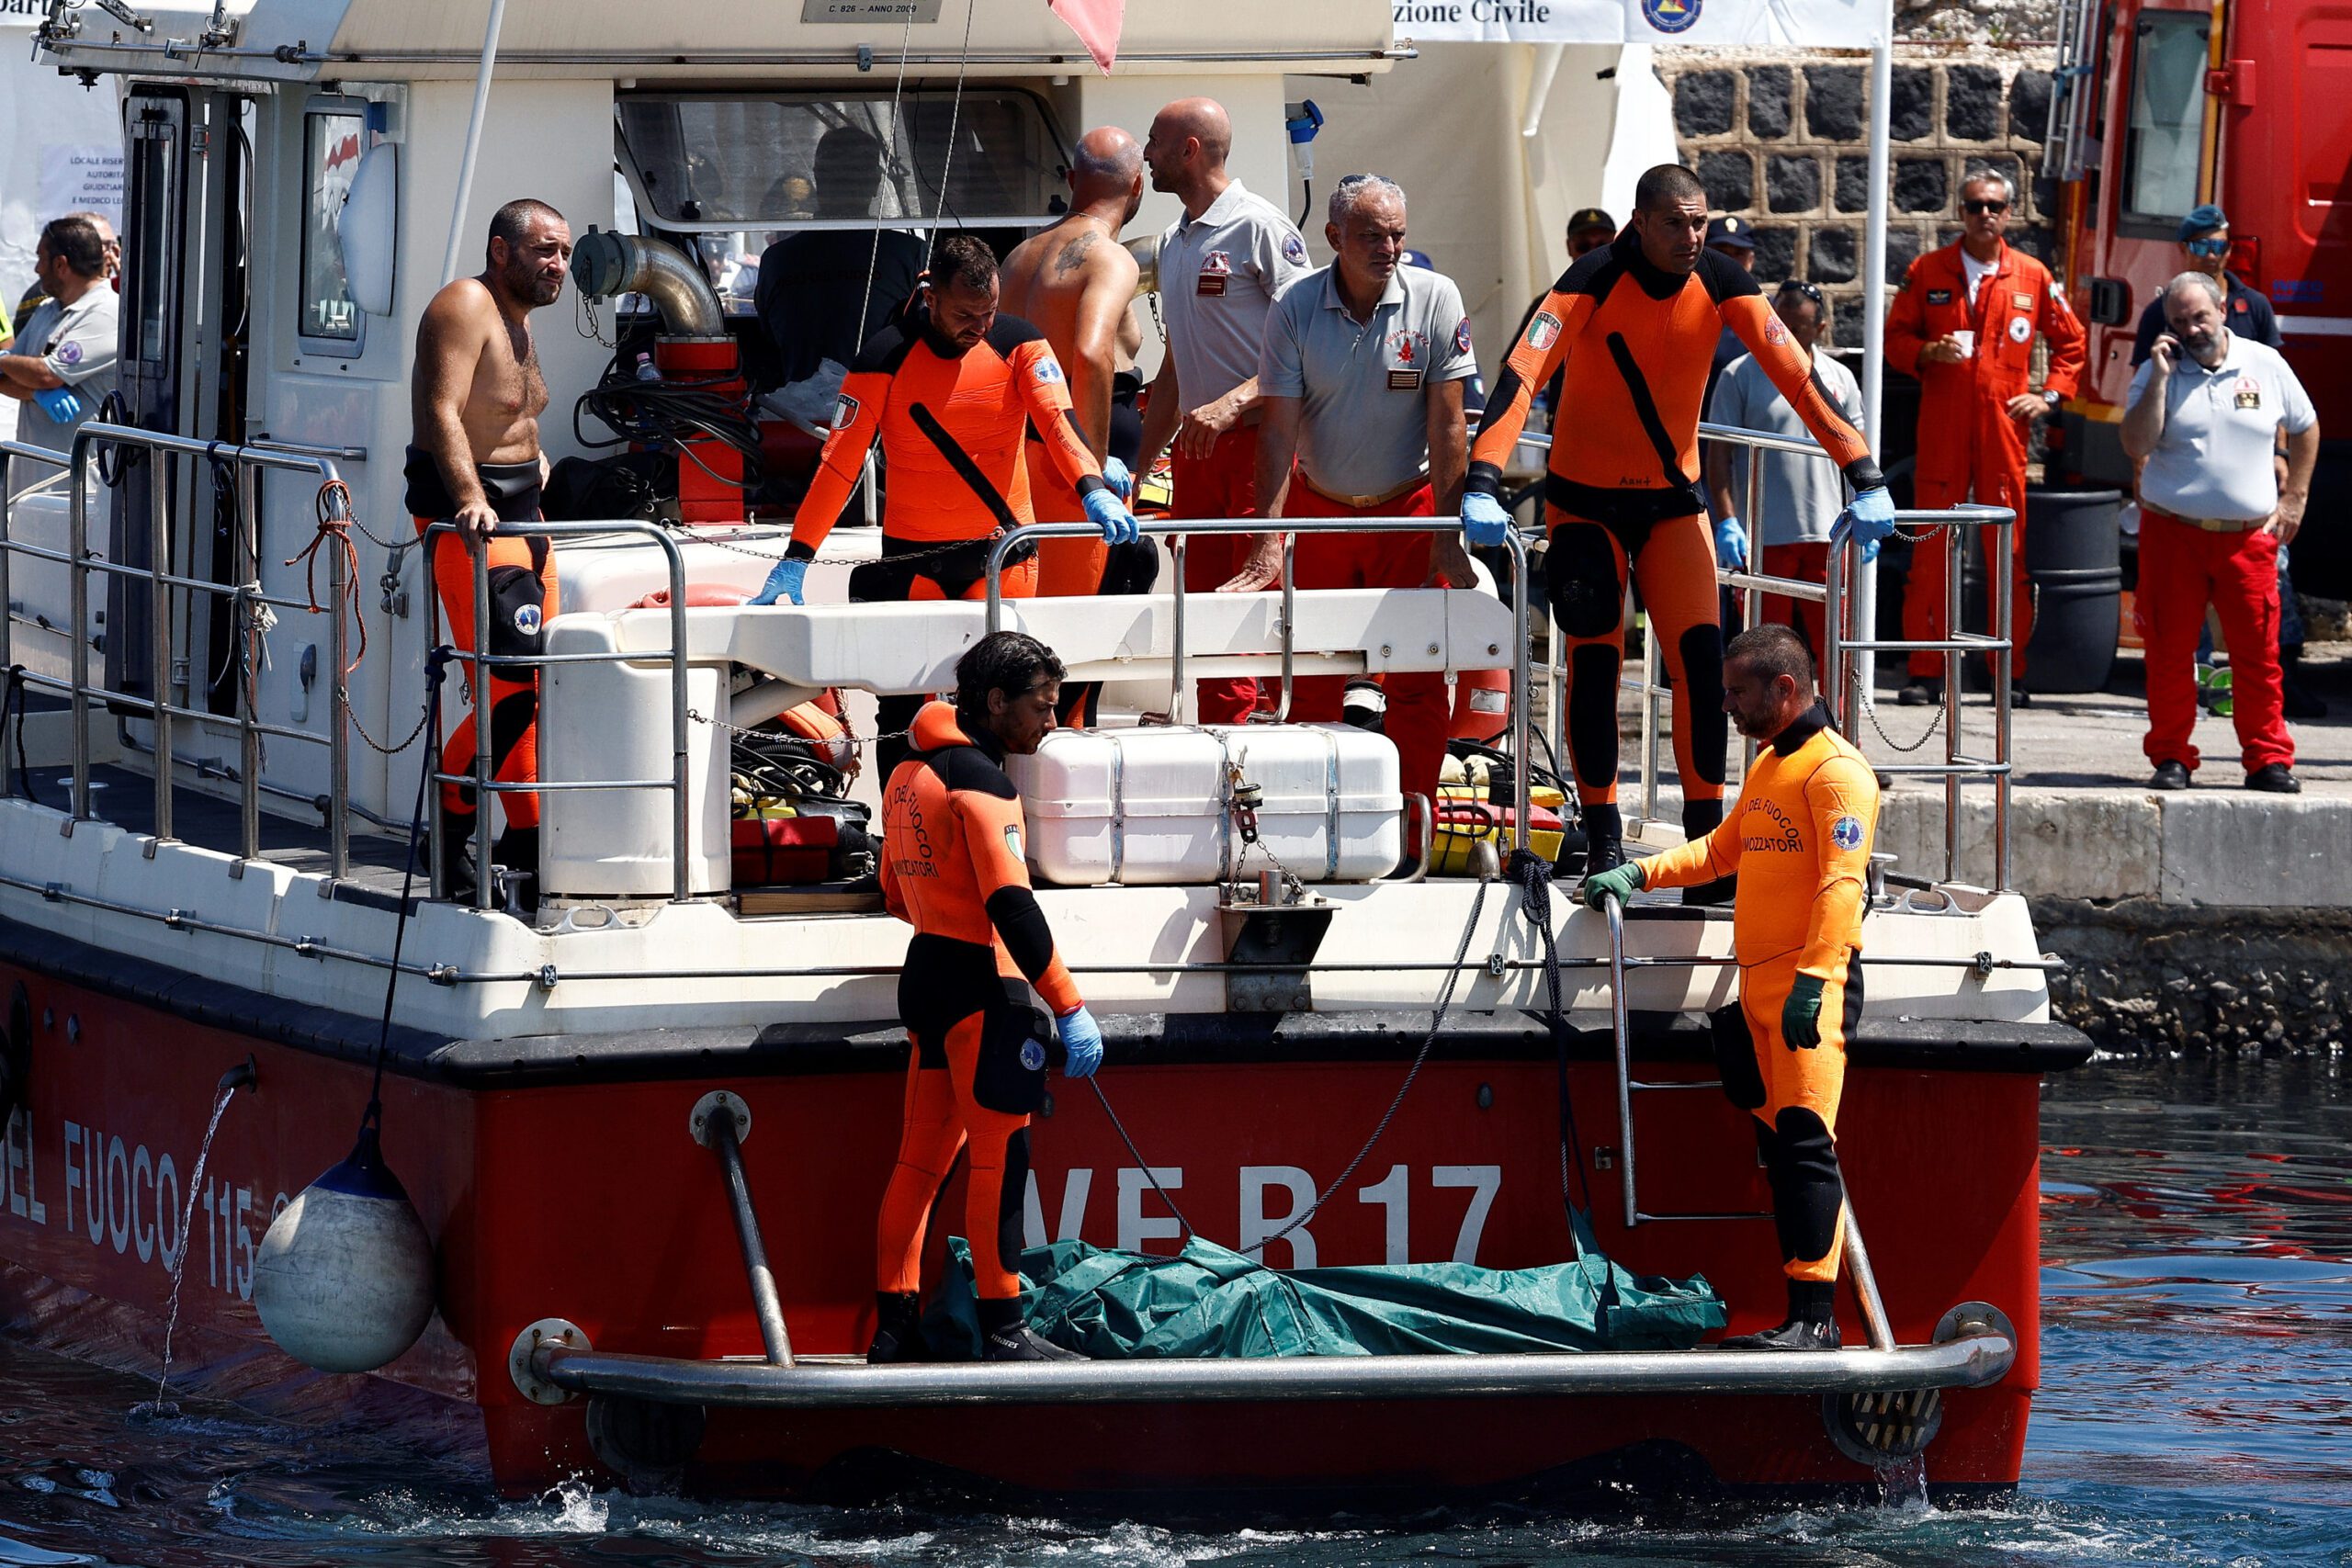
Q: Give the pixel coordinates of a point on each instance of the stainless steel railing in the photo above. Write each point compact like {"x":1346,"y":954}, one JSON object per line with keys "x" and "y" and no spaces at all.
{"x":162,"y":583}
{"x":1290,"y":527}
{"x":481,"y":661}
{"x":1843,"y":660}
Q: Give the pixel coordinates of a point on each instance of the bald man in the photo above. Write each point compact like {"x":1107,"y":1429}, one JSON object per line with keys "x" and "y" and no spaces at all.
{"x":1073,"y":282}
{"x":1221,"y":265}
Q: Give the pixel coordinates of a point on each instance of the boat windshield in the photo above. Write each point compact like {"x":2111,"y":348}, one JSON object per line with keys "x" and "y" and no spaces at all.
{"x":709,"y":162}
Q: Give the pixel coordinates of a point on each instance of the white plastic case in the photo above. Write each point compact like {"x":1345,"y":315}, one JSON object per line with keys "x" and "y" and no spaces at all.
{"x":1153,"y":805}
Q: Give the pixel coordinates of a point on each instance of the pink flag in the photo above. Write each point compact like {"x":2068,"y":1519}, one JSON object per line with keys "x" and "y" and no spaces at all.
{"x":1097,"y":24}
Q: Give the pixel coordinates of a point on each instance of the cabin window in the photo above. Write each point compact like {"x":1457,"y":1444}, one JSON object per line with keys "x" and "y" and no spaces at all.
{"x":736,"y":172}
{"x":2163,"y":138}
{"x":332,"y":139}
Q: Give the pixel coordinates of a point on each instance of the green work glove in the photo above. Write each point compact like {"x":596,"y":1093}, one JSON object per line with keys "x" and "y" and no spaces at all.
{"x":1801,"y":1014}
{"x":1618,"y":882}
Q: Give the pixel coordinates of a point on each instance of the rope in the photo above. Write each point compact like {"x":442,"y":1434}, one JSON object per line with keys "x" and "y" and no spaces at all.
{"x":955,"y":115}
{"x":873,"y":254}
{"x":13,"y":696}
{"x":1429,"y":1041}
{"x":435,"y":665}
{"x":1534,"y":878}
{"x":334,"y":532}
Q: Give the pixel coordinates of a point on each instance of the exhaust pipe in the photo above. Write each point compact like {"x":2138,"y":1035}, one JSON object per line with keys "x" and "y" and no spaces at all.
{"x":605,"y":265}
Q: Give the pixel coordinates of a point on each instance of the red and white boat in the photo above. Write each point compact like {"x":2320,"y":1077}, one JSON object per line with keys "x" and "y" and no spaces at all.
{"x":620,"y":1120}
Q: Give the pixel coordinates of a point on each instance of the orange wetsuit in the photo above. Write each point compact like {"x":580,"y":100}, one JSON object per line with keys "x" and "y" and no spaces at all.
{"x":952,"y":426}
{"x":1970,"y":445}
{"x":952,"y":867}
{"x":522,"y":599}
{"x":1799,"y":840}
{"x":1634,"y":345}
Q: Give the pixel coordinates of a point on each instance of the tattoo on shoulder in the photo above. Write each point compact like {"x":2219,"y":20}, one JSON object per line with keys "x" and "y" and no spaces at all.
{"x":1073,"y":255}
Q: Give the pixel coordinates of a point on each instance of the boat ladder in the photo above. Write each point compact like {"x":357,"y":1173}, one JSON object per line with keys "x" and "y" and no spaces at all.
{"x":1858,"y":1257}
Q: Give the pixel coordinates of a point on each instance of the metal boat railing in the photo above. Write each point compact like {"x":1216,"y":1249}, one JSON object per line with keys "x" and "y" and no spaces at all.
{"x":1843,"y":662}
{"x":1290,"y":528}
{"x":480,"y":660}
{"x":243,"y":594}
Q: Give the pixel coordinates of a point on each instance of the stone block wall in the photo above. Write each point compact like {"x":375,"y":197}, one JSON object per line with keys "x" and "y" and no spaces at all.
{"x":1782,"y":140}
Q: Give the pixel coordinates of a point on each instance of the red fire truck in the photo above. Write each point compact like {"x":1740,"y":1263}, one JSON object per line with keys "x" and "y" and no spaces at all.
{"x":2161,"y":104}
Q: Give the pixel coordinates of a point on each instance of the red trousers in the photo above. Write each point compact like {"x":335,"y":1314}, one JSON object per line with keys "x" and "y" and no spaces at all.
{"x":509,"y":696}
{"x":2182,"y":570}
{"x":1222,"y":484}
{"x":1923,"y":597}
{"x":1807,"y":562}
{"x":1418,"y":714}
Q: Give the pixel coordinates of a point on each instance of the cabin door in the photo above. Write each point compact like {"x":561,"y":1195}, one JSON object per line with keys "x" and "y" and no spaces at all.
{"x":183,"y":372}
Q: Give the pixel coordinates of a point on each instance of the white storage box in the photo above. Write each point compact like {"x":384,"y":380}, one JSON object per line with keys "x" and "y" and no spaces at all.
{"x":1153,"y":806}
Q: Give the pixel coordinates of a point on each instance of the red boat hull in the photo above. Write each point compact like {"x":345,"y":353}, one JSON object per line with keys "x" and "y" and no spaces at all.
{"x":587,"y":1200}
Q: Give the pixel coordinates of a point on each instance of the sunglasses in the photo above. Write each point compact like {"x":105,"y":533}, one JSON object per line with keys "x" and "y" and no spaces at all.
{"x":1979,"y":209}
{"x":1810,"y":290}
{"x":2208,"y":247}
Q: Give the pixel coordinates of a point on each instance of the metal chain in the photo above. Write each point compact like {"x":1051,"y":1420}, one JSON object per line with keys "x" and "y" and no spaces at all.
{"x":1870,"y":711}
{"x":698,"y":716}
{"x":587,"y":326}
{"x":373,"y":744}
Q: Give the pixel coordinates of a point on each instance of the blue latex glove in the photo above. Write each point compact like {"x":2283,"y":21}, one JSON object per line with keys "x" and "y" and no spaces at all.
{"x":61,"y":403}
{"x":1116,"y":475}
{"x":1081,"y":1043}
{"x":1108,"y":513}
{"x":1731,"y":544}
{"x":784,"y":582}
{"x":1484,"y":521}
{"x":1871,"y":519}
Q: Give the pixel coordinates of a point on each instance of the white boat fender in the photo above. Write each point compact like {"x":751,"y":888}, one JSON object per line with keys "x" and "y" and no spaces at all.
{"x":345,"y":1278}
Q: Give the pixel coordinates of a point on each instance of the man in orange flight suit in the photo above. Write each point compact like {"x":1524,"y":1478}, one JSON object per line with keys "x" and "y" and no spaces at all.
{"x":952,"y":867}
{"x":1634,"y":326}
{"x":1964,"y":324}
{"x":1800,"y":843}
{"x":951,"y":388}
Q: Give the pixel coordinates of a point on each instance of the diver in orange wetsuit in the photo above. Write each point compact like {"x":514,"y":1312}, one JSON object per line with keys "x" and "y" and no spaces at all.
{"x":1800,"y":843}
{"x":951,"y":388}
{"x":1634,"y":326}
{"x":952,"y":867}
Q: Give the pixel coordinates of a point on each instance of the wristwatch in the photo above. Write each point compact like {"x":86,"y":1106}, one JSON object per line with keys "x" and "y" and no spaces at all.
{"x":2050,"y":395}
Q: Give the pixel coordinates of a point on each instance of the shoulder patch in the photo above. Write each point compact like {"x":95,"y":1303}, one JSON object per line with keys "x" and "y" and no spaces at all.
{"x":844,"y":411}
{"x":1462,"y":336}
{"x":1294,"y":250}
{"x":1846,"y":832}
{"x":1544,"y":331}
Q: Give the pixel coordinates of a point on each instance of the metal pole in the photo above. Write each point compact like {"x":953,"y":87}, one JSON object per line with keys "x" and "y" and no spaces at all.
{"x":766,"y":1304}
{"x":248,"y":635}
{"x":1882,"y":97}
{"x":7,"y":619}
{"x":2004,"y":631}
{"x":1955,"y":543}
{"x":681,"y":802}
{"x":1752,"y":597}
{"x":1834,"y":657}
{"x":1290,"y":625}
{"x":1650,"y":694}
{"x":1857,"y":1268}
{"x":466,"y":162}
{"x":1519,"y":687}
{"x":1615,"y":912}
{"x":159,"y":641}
{"x":478,"y":549}
{"x":339,"y":720}
{"x":1176,"y":652}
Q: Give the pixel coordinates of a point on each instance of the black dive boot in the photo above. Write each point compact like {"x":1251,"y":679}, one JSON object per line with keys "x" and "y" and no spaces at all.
{"x":1604,"y":838}
{"x":458,"y":857}
{"x":1005,"y":1337}
{"x":1700,"y":817}
{"x":1812,"y":1325}
{"x":898,"y":1329}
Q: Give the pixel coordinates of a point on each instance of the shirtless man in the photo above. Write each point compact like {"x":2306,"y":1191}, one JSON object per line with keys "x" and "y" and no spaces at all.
{"x":1075,"y":283}
{"x":476,"y":402}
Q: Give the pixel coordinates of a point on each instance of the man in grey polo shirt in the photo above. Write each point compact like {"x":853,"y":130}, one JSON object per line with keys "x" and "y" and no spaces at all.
{"x":2204,"y":411}
{"x":1221,"y":265}
{"x":1361,"y":383}
{"x":61,"y":364}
